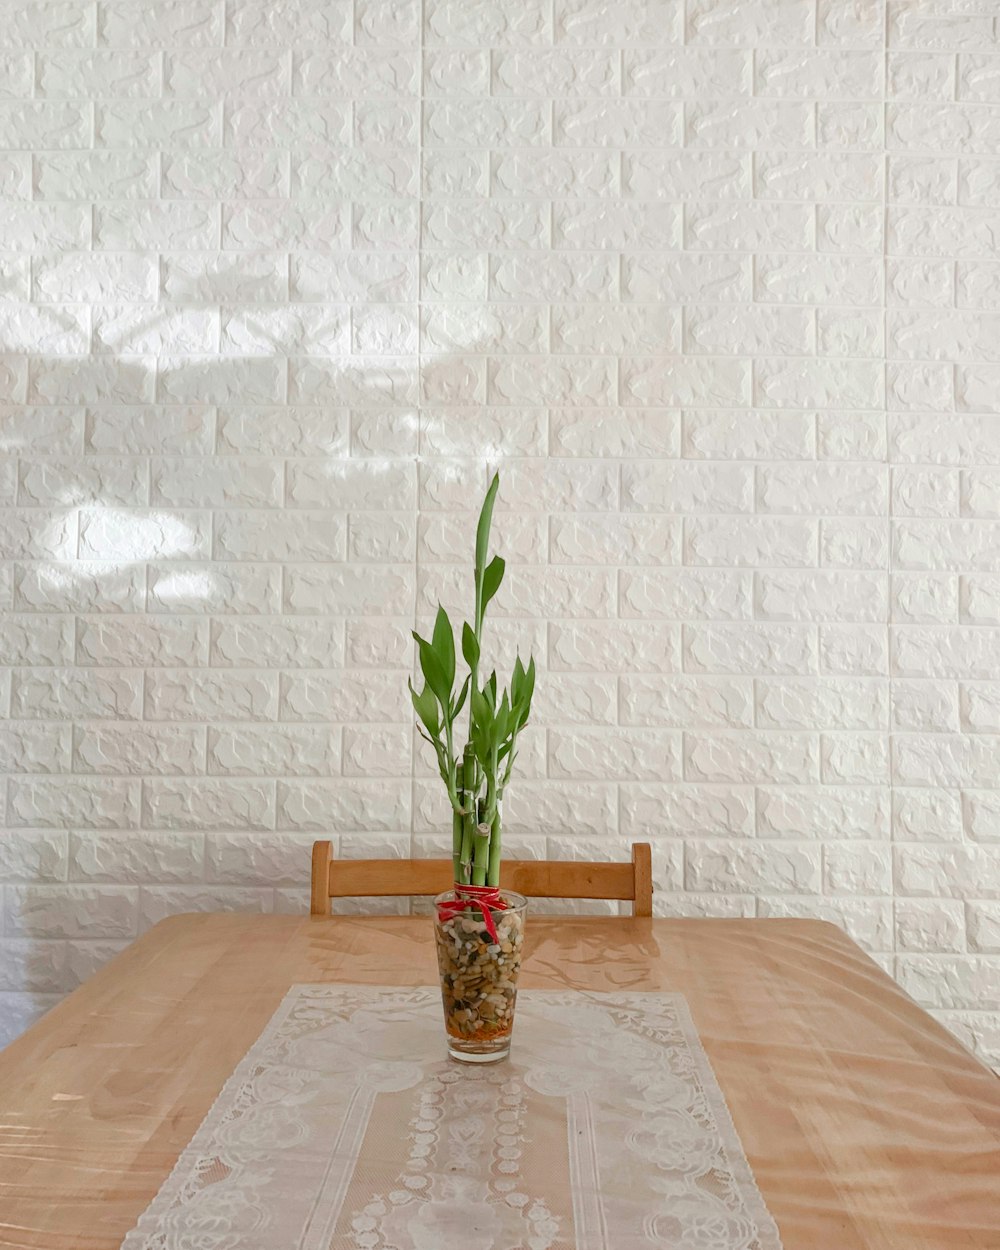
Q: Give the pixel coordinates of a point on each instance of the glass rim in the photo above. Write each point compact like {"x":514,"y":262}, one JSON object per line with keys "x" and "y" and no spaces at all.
{"x":515,"y":901}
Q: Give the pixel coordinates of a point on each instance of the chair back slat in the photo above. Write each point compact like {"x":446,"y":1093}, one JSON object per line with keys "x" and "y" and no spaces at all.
{"x":567,"y":879}
{"x":366,"y":878}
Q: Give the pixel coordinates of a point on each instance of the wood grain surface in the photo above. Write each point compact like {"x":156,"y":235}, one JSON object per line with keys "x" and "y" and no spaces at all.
{"x":868,"y":1126}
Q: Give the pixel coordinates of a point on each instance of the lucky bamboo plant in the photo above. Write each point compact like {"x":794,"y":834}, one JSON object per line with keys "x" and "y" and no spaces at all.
{"x":476,"y":773}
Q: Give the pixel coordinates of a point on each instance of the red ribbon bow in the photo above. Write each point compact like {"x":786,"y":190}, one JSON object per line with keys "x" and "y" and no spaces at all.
{"x":484,"y":898}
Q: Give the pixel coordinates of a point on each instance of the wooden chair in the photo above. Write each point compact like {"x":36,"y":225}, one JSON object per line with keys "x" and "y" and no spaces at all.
{"x":367,"y":878}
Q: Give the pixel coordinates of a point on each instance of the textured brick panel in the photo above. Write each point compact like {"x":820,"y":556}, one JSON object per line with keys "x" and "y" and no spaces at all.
{"x":716,"y":284}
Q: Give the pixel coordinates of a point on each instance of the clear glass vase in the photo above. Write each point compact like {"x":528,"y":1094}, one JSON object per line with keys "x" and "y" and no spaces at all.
{"x":479,"y":974}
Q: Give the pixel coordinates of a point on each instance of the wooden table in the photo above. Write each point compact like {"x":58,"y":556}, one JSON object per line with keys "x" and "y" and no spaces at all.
{"x":868,"y":1126}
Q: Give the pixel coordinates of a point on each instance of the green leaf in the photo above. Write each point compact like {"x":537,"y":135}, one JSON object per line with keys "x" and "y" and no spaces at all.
{"x":479,"y":736}
{"x":481,"y":747}
{"x":470,"y":646}
{"x":529,"y":682}
{"x":482,"y":720}
{"x":443,"y":642}
{"x":480,"y":711}
{"x":521,"y":687}
{"x":492,"y":578}
{"x":460,"y":701}
{"x":434,"y":674}
{"x":425,"y":705}
{"x":517,"y":681}
{"x":524,"y":708}
{"x":483,"y":528}
{"x":502,"y":724}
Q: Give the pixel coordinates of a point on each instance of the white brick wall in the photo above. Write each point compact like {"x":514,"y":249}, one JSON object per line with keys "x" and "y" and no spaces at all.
{"x":717,"y":284}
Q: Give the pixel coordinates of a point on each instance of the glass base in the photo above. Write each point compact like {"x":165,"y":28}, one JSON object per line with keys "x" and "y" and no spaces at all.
{"x":484,"y":1052}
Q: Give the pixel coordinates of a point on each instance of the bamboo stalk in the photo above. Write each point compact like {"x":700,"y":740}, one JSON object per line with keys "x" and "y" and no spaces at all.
{"x":484,"y":831}
{"x":469,"y":817}
{"x":456,"y":845}
{"x":493,"y":871}
{"x":482,"y":854}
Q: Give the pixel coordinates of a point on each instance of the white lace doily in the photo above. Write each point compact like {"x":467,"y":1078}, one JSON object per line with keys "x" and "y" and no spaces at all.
{"x":345,"y":1127}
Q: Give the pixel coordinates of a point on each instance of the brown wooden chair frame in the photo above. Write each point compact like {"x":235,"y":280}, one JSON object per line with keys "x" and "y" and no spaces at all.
{"x":369,"y":878}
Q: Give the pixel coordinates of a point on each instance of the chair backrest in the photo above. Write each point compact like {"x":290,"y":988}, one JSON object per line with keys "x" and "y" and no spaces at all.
{"x":361,"y":878}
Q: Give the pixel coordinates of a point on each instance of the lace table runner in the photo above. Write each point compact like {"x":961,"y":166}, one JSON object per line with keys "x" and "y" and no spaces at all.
{"x":345,"y":1127}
